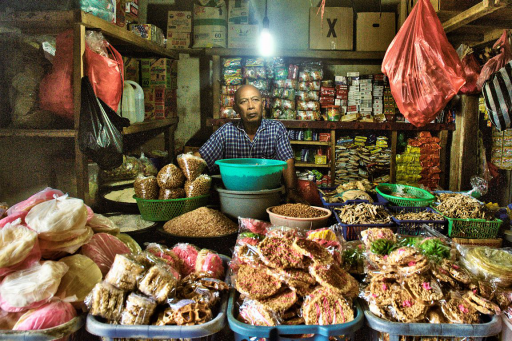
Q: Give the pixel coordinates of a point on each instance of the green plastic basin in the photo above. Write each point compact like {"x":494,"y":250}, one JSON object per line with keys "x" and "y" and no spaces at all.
{"x":251,"y":174}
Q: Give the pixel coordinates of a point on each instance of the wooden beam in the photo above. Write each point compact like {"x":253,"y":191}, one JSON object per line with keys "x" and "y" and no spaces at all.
{"x":489,"y":36}
{"x":463,"y":158}
{"x":392,"y":165}
{"x":481,"y":9}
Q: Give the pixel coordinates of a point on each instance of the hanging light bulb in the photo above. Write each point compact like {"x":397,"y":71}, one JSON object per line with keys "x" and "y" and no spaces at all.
{"x":266,"y":41}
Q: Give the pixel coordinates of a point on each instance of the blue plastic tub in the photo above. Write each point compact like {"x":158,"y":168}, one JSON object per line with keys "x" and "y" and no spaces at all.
{"x":431,"y":331}
{"x":109,"y":332}
{"x":353,"y":232}
{"x":245,"y":331}
{"x":416,"y":227}
{"x":251,"y":174}
{"x":338,"y":204}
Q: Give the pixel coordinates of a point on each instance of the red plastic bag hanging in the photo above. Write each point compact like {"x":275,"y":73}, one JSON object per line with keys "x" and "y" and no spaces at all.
{"x":105,"y":75}
{"x":56,"y":88}
{"x":423,"y":68}
{"x":496,"y":62}
{"x":471,"y":68}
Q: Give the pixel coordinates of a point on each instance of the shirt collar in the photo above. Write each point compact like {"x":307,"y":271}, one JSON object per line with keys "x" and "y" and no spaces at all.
{"x":264,"y":124}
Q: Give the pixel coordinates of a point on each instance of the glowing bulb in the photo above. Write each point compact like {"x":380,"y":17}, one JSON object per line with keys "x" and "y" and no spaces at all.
{"x":266,"y":43}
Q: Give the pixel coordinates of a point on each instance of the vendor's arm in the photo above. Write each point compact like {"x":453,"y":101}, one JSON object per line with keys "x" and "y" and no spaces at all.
{"x":290,"y":181}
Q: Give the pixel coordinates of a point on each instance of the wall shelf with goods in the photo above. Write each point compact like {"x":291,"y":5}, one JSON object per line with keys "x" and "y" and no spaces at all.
{"x":337,"y":129}
{"x":126,"y":42}
{"x":327,"y":58}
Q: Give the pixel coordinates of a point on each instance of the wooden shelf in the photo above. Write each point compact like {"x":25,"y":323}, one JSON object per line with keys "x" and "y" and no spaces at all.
{"x":59,"y":133}
{"x":478,"y":25}
{"x":311,"y":143}
{"x":295,"y":124}
{"x":52,"y":22}
{"x":316,"y":54}
{"x":151,"y":125}
{"x":312,"y":165}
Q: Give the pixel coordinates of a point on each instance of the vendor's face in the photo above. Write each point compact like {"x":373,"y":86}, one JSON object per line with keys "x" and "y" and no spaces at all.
{"x":249,"y":104}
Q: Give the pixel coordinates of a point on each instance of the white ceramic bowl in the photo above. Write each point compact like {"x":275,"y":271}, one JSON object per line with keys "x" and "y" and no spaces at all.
{"x":302,"y":223}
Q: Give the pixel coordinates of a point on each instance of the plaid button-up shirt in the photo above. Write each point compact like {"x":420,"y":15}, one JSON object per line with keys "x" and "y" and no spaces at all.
{"x":231,"y":141}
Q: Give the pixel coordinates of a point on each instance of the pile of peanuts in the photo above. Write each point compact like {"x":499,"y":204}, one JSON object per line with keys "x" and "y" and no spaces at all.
{"x":298,"y":211}
{"x":174,"y":182}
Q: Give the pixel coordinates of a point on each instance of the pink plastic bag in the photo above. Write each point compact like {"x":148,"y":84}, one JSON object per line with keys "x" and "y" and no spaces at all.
{"x":10,"y":218}
{"x":50,"y":315}
{"x":472,"y":69}
{"x":102,"y":249}
{"x":424,"y":70}
{"x":496,"y":62}
{"x":56,"y":88}
{"x":44,"y":195}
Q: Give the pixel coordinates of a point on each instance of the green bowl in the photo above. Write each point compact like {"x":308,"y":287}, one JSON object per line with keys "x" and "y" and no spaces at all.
{"x":251,"y":174}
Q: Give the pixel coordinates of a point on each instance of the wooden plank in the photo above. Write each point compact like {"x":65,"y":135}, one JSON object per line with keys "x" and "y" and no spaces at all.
{"x":392,"y":164}
{"x":312,"y":165}
{"x":463,"y":158}
{"x":81,"y":168}
{"x":443,"y":136}
{"x":297,"y":124}
{"x":64,"y":133}
{"x":489,"y":36}
{"x":150,"y":125}
{"x":121,"y":36}
{"x":478,"y":11}
{"x":217,"y":80}
{"x":316,"y":54}
{"x":333,"y":157}
{"x":310,"y":143}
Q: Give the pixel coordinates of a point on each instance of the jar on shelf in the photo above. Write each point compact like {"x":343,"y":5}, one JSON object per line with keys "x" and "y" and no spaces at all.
{"x":333,"y":113}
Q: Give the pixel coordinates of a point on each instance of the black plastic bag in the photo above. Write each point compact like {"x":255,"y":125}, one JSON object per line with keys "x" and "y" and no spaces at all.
{"x":99,"y":130}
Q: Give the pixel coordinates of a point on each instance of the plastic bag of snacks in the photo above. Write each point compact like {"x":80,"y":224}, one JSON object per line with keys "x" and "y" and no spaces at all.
{"x":146,"y":187}
{"x":200,"y":186}
{"x":192,"y":166}
{"x":170,"y":176}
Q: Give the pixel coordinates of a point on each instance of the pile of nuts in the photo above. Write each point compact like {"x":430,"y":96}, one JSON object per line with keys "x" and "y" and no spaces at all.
{"x":298,"y":211}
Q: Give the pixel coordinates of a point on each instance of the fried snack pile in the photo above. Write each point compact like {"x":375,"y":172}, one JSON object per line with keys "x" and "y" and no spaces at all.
{"x":418,"y":280}
{"x":280,"y":273}
{"x":148,"y":288}
{"x":363,"y":214}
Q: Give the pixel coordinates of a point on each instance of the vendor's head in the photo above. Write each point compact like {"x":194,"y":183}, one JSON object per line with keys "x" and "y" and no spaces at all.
{"x":249,"y":104}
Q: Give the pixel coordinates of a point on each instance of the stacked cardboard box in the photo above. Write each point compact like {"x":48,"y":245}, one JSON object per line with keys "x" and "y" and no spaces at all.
{"x":179,"y":29}
{"x":242,"y":29}
{"x":159,"y":81}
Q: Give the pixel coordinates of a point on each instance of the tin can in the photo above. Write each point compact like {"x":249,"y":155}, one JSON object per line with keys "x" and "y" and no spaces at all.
{"x":308,"y":135}
{"x":333,"y":113}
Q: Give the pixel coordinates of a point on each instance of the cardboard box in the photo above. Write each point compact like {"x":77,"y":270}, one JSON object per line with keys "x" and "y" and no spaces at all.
{"x":243,"y":36}
{"x":163,"y":73}
{"x":210,"y":26}
{"x":179,"y":21}
{"x":374,"y":31}
{"x":178,"y":40}
{"x":147,"y":31}
{"x":334,"y":32}
{"x":131,"y":69}
{"x":159,"y":103}
{"x":145,"y":71}
{"x":241,"y":12}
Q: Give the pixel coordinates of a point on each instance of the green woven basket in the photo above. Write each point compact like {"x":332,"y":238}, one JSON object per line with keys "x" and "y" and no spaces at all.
{"x":472,"y":228}
{"x":164,"y":210}
{"x":422,"y":197}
